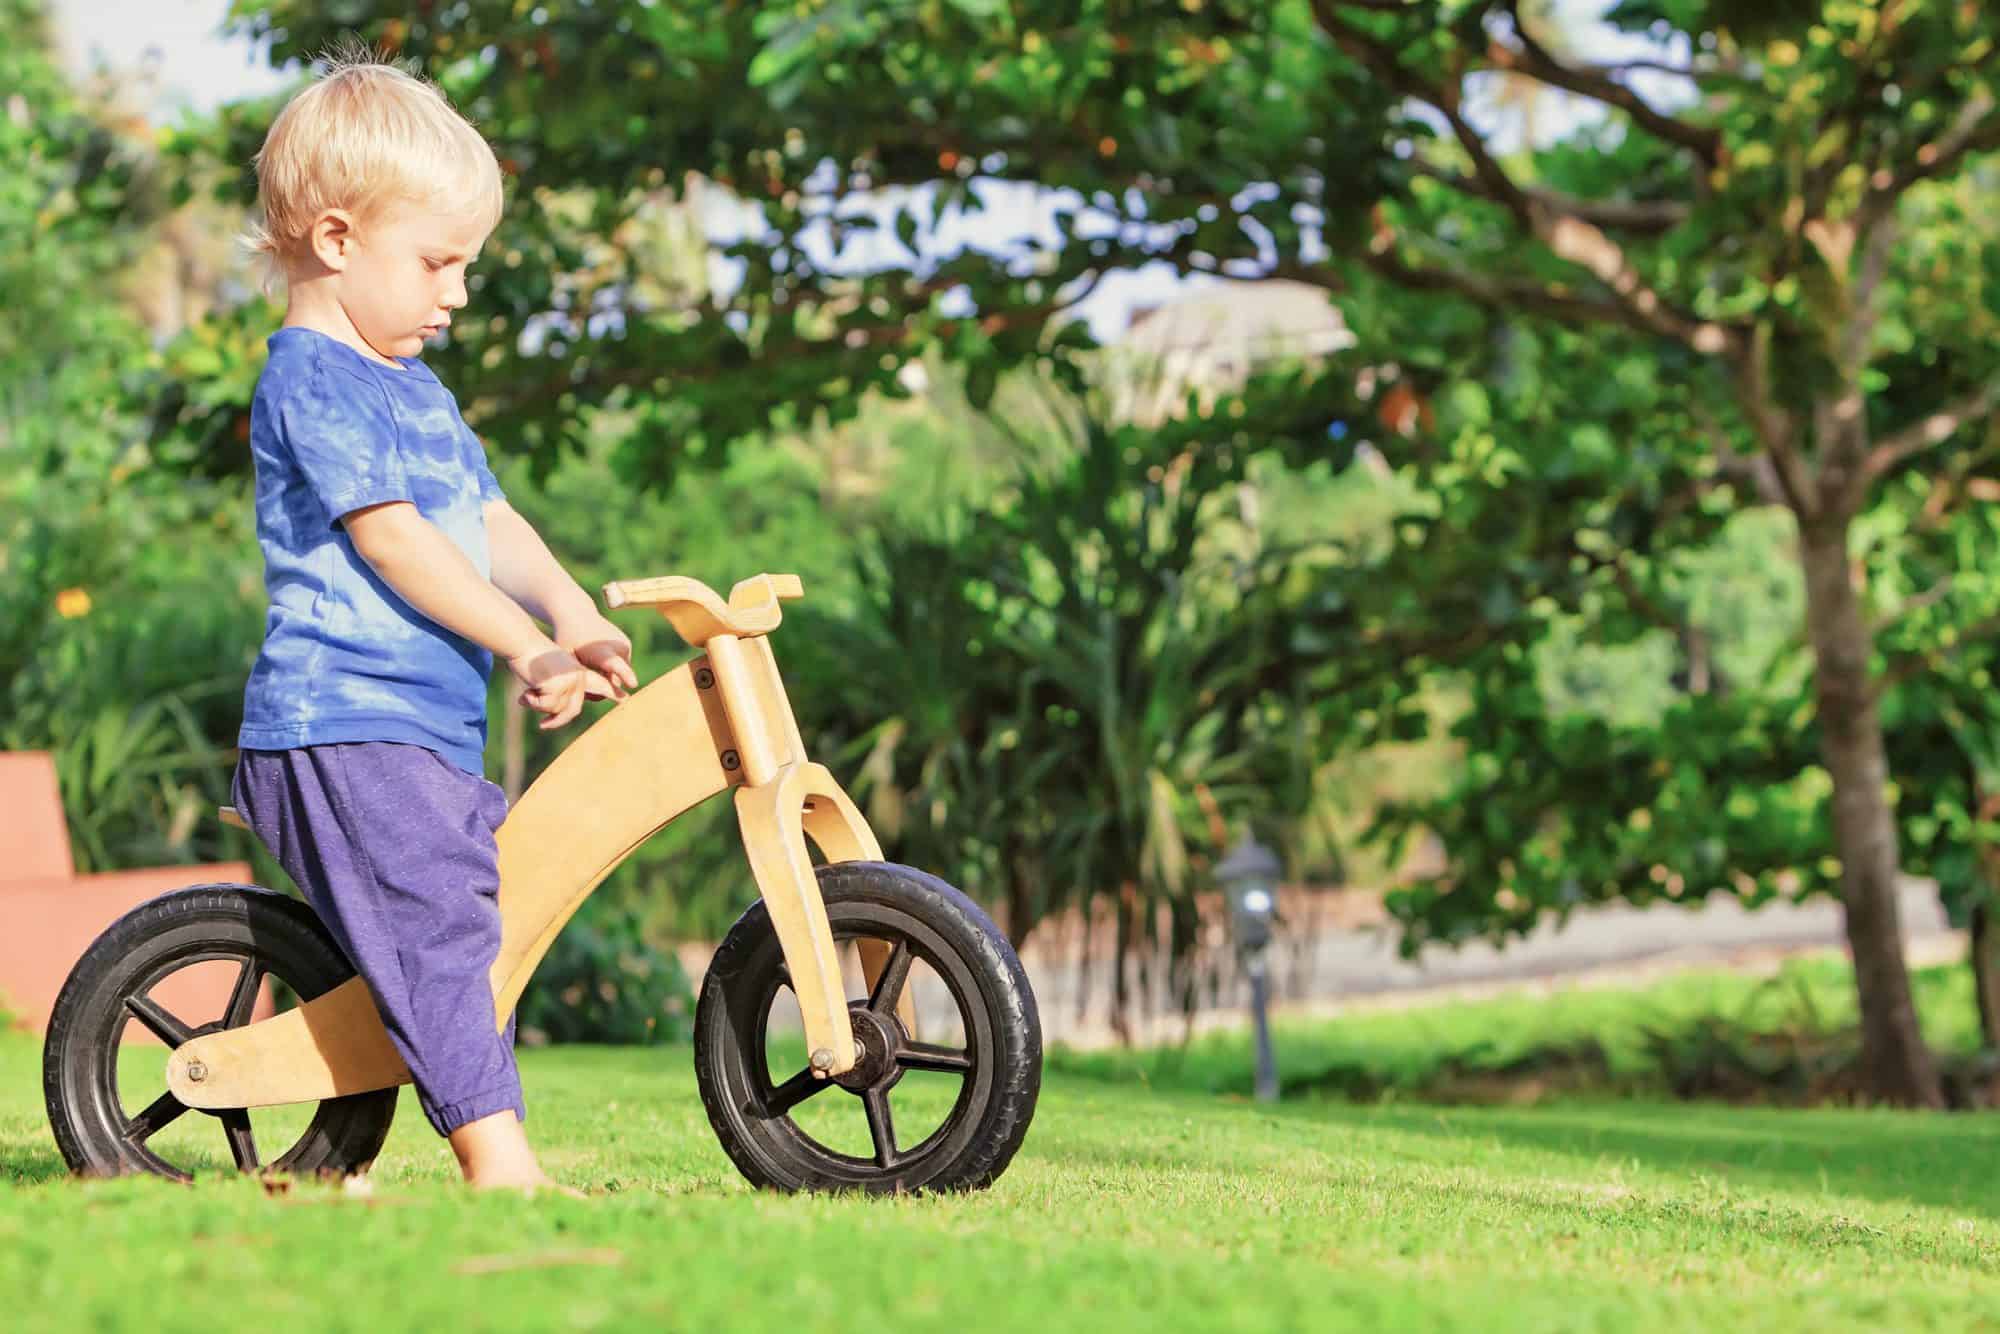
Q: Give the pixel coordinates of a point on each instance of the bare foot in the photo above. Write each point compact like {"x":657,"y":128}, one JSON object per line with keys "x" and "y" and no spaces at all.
{"x":493,"y":1151}
{"x":529,"y":1186}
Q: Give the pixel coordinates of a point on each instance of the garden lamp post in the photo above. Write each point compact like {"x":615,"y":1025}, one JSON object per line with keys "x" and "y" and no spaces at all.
{"x":1249,"y":879}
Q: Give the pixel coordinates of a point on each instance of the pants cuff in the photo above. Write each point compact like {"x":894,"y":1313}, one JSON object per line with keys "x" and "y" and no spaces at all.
{"x":447,"y":1117}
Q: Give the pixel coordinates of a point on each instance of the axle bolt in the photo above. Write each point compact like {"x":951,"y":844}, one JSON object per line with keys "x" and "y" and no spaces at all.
{"x":822,"y":1059}
{"x":196,"y":1072}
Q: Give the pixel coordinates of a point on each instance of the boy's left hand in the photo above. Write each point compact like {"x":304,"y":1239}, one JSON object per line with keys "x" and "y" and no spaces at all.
{"x":602,"y":647}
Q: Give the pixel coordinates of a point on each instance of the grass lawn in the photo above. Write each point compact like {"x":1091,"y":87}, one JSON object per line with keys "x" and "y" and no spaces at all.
{"x":1131,"y":1207}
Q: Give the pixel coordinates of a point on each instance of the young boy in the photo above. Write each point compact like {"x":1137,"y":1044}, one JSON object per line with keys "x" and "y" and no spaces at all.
{"x":397,"y":572}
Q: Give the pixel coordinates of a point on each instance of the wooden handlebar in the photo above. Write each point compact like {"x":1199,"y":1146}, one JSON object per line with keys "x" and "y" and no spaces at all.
{"x":699,"y":614}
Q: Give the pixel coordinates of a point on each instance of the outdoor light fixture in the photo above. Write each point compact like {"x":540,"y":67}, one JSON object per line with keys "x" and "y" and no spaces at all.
{"x":1249,"y":879}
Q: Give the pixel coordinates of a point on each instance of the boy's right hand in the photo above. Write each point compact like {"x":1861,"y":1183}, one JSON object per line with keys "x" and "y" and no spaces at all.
{"x":557,"y":684}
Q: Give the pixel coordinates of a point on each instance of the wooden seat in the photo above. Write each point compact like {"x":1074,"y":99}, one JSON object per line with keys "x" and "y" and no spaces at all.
{"x":698,"y":614}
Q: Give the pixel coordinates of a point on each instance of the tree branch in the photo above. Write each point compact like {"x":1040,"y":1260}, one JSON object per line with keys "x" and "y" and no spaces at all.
{"x":1585,"y":244}
{"x":1975,"y":129}
{"x":1908,"y":665}
{"x":1759,"y":470}
{"x":1931,"y":596}
{"x":1938,"y":426}
{"x":1495,"y":293}
{"x":1862,"y":312}
{"x":1645,"y":216}
{"x":1661,"y":67}
{"x":1773,"y":425}
{"x":1570,"y":237}
{"x":1642,"y":602}
{"x":1536,"y":62}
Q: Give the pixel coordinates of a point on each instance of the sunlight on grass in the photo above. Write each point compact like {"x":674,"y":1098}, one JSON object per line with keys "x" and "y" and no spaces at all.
{"x":1128,"y":1209}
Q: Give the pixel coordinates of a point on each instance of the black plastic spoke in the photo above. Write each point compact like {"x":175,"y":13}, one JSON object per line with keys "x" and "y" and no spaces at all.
{"x":157,"y":1116}
{"x":162,"y":1025}
{"x":881,"y":1126}
{"x":928,"y":1056}
{"x":793,"y":1092}
{"x":889,"y":986}
{"x":242,"y":1146}
{"x":243,"y":999}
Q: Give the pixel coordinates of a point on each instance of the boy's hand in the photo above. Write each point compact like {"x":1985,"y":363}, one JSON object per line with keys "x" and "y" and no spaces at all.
{"x":557,"y":684}
{"x":602,"y":647}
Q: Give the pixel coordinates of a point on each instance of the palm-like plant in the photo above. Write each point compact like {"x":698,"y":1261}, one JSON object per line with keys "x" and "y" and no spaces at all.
{"x":1084,"y":682}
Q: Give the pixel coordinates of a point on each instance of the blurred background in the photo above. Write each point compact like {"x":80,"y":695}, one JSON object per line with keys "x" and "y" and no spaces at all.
{"x":1527,"y":464}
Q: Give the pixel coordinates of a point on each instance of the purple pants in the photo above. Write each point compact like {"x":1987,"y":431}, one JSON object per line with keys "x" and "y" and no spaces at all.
{"x":393,"y":846}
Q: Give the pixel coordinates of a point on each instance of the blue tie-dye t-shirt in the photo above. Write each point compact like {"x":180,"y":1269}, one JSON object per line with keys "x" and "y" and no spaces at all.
{"x":344,"y":657}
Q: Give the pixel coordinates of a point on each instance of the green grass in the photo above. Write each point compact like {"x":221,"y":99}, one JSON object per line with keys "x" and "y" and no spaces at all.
{"x":1158,"y":1210}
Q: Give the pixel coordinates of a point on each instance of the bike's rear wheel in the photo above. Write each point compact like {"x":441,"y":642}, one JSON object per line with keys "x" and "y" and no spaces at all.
{"x":979,"y":1084}
{"x":109,"y":1114}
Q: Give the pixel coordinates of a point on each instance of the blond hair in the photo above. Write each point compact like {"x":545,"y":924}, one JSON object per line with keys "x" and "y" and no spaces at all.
{"x":363,"y":135}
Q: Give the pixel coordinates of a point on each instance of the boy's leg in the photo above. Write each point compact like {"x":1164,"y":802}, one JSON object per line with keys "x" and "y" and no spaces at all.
{"x":393,"y":847}
{"x":493,"y":1151}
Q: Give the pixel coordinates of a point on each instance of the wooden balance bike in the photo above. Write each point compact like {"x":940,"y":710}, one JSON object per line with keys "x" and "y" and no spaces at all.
{"x":719,"y":722}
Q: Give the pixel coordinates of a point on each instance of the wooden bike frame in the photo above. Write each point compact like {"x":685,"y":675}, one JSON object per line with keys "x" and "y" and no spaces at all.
{"x":720,"y":721}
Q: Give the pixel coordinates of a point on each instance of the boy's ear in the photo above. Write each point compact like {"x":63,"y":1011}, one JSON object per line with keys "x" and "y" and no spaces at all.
{"x":331,"y":238}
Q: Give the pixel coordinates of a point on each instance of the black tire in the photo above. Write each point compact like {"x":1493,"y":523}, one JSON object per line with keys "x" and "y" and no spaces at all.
{"x":271,"y":935}
{"x":1000,"y":1065}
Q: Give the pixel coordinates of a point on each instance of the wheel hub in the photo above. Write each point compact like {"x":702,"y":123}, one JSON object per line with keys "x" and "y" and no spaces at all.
{"x":215,"y":1026}
{"x":877,"y":1038}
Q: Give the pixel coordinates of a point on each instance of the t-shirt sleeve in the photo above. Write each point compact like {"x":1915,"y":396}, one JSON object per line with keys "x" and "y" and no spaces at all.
{"x":342,"y":436}
{"x":489,"y":485}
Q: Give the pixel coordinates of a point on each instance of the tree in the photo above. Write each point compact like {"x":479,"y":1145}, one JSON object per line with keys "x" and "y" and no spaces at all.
{"x":1762,"y":230}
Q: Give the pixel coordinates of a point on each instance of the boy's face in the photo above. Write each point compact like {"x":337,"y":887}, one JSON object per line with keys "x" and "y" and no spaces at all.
{"x":404,"y":274}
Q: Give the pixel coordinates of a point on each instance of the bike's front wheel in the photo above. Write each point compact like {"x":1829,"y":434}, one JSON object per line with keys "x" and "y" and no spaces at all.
{"x":963,"y":1099}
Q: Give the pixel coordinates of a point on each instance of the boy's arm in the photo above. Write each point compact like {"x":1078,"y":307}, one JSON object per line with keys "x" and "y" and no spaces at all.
{"x":428,"y":571}
{"x":527,"y":571}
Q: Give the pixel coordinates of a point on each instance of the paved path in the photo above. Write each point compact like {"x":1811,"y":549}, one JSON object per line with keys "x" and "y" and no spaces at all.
{"x":1360,"y":965}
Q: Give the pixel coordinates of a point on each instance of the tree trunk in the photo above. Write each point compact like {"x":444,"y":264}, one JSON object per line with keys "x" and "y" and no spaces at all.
{"x":1986,"y":972}
{"x":1019,"y":902}
{"x":1896,"y":1064}
{"x":1126,"y":914}
{"x":513,"y":748}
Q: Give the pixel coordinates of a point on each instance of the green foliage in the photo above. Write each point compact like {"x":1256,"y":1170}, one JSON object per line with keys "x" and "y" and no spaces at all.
{"x":124,"y":626}
{"x":1082,"y":686}
{"x":69,"y":187}
{"x":139,"y":691}
{"x":603,"y":113}
{"x":604,"y":981}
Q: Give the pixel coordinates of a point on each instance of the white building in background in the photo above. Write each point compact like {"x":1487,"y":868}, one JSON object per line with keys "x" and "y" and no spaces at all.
{"x":1212,"y":340}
